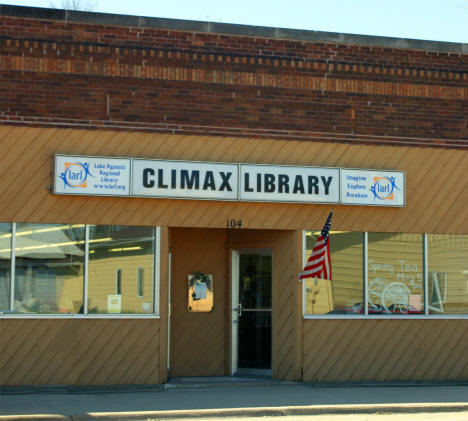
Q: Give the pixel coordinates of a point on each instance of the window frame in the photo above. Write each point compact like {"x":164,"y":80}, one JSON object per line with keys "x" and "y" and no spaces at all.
{"x":9,"y":314}
{"x":366,"y":314}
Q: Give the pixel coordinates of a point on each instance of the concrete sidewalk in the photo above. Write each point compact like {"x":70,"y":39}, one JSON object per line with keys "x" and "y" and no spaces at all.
{"x":229,"y":399}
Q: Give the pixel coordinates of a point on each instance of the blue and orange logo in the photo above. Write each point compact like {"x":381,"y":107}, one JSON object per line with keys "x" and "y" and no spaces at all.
{"x":75,"y":174}
{"x":383,"y":188}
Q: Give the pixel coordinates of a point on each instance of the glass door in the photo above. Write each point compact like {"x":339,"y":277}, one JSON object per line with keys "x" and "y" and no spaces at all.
{"x":251,"y":311}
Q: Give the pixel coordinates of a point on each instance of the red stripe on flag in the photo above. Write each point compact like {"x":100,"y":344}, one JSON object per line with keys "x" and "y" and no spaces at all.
{"x":318,"y":264}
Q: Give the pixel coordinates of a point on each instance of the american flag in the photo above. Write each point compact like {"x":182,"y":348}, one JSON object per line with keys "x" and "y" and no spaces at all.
{"x":318,"y":265}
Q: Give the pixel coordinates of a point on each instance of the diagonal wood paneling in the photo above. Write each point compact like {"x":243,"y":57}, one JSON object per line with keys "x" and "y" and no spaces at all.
{"x":80,"y":352}
{"x":198,"y":340}
{"x":436,"y":202}
{"x":285,"y":311}
{"x":385,"y":350}
{"x":436,"y":182}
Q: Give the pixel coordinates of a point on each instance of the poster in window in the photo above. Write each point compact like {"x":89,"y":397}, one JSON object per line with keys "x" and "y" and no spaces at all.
{"x":200,"y":292}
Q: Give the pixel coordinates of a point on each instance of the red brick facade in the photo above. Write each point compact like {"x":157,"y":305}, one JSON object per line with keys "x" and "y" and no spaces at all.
{"x":94,"y":75}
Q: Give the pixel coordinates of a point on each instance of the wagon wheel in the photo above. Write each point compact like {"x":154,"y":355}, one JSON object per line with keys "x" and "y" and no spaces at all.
{"x":395,"y":298}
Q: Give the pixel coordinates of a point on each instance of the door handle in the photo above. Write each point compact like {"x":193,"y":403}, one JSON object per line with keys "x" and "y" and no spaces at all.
{"x":238,"y":309}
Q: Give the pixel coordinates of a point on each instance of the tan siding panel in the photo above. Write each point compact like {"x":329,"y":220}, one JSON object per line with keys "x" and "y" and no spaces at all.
{"x":385,"y":350}
{"x":198,"y":340}
{"x":455,"y":169}
{"x":436,"y":180}
{"x":81,"y":352}
{"x":284,"y":312}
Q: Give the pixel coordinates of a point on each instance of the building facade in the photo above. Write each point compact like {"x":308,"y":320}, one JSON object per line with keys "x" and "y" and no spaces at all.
{"x":164,"y":181}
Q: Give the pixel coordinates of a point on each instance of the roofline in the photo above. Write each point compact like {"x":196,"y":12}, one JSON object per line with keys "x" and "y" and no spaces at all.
{"x":230,"y":29}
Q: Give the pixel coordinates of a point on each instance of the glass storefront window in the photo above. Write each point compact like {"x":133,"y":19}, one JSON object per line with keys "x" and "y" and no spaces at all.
{"x":448,"y":273}
{"x":395,"y":271}
{"x":50,"y":275}
{"x":5,"y":261}
{"x":344,"y":293}
{"x":49,"y":272}
{"x":49,"y":268}
{"x":121,"y":269}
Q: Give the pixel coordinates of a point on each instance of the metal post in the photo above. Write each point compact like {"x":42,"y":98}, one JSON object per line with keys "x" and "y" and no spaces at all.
{"x":157,"y":271}
{"x":366,"y":272}
{"x":12,"y":266}
{"x":169,"y":311}
{"x":426,"y":276}
{"x":86,"y":264}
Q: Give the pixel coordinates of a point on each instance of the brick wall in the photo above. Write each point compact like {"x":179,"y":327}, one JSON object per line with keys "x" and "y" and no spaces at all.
{"x":62,"y":73}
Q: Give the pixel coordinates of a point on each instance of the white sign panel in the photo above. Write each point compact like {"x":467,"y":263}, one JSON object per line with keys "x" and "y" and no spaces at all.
{"x":102,"y":176}
{"x":114,"y":304}
{"x":289,"y":184}
{"x":372,"y":187}
{"x":92,"y":176}
{"x":185,"y":180}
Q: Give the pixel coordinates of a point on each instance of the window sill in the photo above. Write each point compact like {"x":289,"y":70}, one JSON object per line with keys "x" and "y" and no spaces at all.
{"x":79,"y":316}
{"x":386,"y":317}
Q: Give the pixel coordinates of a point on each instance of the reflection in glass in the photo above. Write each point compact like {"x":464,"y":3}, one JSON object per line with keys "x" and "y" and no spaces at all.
{"x":344,"y":293}
{"x":49,"y":268}
{"x":5,"y":261}
{"x":140,"y":282}
{"x":448,"y":273}
{"x":255,"y":340}
{"x":116,"y":254}
{"x":118,"y":282}
{"x":395,"y":268}
{"x":254,"y":323}
{"x":255,"y":281}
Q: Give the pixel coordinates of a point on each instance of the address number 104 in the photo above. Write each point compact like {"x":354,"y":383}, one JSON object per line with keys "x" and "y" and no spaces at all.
{"x":233,"y":223}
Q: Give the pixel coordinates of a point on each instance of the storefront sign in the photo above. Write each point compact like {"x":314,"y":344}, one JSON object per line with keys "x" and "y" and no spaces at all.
{"x":372,"y":187}
{"x":92,"y":176}
{"x":289,"y":184}
{"x":187,"y":180}
{"x":223,"y":181}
